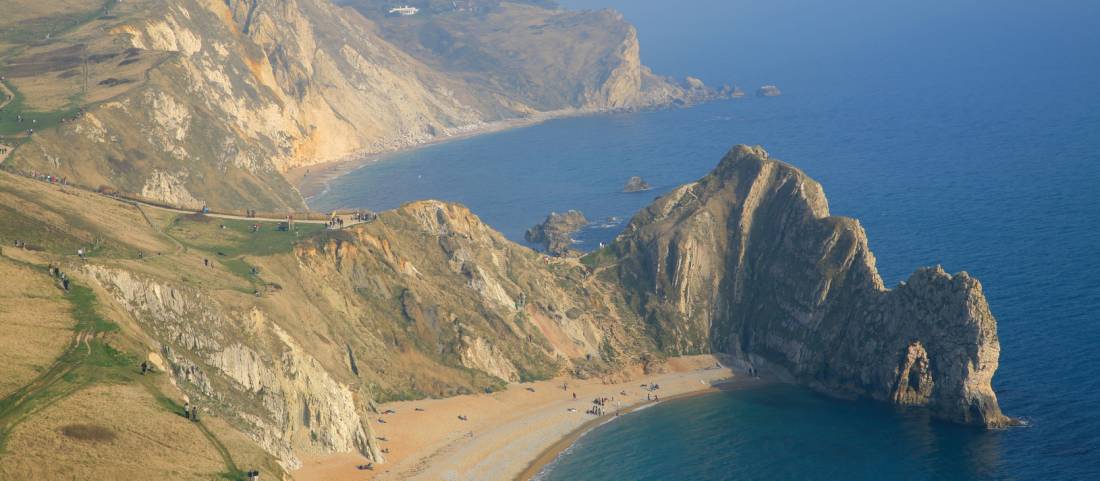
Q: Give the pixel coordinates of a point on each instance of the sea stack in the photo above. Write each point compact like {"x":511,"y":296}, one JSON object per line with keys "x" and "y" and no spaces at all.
{"x":768,"y":91}
{"x":636,"y":184}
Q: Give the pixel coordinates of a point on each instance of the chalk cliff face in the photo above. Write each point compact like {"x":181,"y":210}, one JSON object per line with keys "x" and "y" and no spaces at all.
{"x":213,"y":101}
{"x":424,"y":301}
{"x":748,"y":261}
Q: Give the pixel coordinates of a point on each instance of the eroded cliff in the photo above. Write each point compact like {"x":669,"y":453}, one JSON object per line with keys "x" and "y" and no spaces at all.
{"x":211,"y":101}
{"x":748,"y":261}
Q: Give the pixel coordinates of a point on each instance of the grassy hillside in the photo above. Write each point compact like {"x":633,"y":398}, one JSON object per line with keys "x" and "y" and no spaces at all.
{"x":251,"y":324}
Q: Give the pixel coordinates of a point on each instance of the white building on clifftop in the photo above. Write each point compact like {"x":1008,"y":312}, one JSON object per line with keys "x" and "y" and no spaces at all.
{"x":405,"y":11}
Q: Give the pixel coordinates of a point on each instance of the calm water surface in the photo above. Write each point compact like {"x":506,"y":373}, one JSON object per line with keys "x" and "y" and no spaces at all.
{"x":962,"y":133}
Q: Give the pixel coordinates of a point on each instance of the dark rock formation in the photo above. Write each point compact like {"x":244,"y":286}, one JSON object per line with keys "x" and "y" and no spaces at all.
{"x":554,"y":233}
{"x":636,"y":184}
{"x":768,"y":91}
{"x":748,"y":261}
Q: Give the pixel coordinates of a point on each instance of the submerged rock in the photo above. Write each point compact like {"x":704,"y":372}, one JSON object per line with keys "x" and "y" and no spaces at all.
{"x":555,"y":232}
{"x":748,"y":261}
{"x":768,"y":91}
{"x":732,"y":92}
{"x":636,"y":184}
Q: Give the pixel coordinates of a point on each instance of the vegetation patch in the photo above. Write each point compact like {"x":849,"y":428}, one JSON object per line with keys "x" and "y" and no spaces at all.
{"x":88,"y":432}
{"x":36,"y":29}
{"x":598,"y":258}
{"x":16,"y":119}
{"x":89,"y":359}
{"x":231,"y":238}
{"x":84,"y":310}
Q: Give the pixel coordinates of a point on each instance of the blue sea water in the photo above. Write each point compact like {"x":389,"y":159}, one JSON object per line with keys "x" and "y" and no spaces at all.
{"x":964,"y":133}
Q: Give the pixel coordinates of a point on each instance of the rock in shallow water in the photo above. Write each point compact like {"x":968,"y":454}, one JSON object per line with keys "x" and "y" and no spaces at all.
{"x":636,"y":184}
{"x":768,"y":91}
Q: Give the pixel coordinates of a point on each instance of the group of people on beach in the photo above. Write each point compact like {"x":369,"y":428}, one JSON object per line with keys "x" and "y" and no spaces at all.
{"x":598,"y":405}
{"x":650,"y":395}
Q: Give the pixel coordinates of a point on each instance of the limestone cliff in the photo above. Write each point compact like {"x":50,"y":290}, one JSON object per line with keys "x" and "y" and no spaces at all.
{"x":212,"y":101}
{"x":424,"y":301}
{"x":748,"y":261}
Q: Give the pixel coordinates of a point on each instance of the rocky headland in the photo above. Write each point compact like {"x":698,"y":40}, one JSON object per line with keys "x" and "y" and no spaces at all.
{"x":748,"y":261}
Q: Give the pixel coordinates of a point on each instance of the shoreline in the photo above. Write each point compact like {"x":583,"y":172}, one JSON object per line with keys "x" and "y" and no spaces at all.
{"x":555,"y":451}
{"x":509,"y":434}
{"x":312,"y":181}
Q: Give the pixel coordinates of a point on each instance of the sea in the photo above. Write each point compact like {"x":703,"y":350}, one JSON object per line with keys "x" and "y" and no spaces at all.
{"x":964,"y":133}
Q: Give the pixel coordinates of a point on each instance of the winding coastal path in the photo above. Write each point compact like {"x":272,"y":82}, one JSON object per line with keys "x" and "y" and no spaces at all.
{"x":349,"y":220}
{"x":5,"y":98}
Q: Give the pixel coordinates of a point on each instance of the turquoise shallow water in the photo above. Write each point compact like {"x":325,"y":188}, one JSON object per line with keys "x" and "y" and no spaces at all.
{"x":963,"y":133}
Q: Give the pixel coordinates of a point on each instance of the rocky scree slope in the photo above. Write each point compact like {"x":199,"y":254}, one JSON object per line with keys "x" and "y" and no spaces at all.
{"x":747,"y":261}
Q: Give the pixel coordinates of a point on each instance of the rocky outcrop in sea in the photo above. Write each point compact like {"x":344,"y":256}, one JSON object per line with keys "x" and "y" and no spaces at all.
{"x":768,"y":91}
{"x":555,"y":233}
{"x":636,"y":184}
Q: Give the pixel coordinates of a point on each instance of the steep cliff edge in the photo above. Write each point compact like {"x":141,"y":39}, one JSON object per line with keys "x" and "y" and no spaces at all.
{"x":210,"y":102}
{"x":290,"y":337}
{"x":748,"y":261}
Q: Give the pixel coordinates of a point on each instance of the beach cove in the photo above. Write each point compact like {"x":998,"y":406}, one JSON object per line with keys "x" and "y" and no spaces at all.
{"x":942,"y":147}
{"x":509,"y":434}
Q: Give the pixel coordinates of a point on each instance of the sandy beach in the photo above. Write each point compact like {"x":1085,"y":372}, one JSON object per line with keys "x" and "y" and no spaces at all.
{"x":507,"y":435}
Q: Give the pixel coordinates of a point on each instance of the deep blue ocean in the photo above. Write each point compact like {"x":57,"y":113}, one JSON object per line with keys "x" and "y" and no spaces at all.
{"x":962,"y":133}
